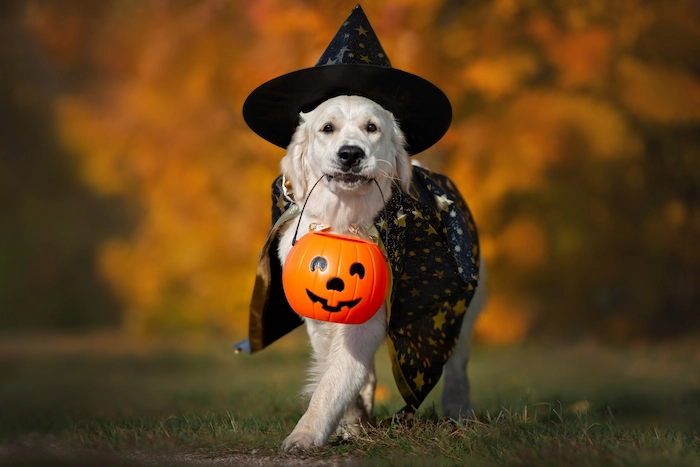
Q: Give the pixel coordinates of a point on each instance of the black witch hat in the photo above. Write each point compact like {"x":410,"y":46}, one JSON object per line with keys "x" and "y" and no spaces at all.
{"x":353,"y":64}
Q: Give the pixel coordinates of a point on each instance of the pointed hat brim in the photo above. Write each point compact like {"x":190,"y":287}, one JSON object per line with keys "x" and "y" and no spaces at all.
{"x":423,"y":111}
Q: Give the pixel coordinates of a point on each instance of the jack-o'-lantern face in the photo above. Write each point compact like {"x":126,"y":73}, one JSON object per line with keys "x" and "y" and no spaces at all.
{"x":335,"y":278}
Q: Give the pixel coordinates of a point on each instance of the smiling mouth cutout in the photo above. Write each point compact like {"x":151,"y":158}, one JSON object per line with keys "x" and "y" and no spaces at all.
{"x":333,"y":309}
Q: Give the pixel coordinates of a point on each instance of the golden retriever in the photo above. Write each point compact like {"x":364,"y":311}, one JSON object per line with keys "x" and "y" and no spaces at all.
{"x":346,"y":144}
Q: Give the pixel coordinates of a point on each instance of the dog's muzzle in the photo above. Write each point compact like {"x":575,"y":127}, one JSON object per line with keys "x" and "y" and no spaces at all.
{"x":350,"y":158}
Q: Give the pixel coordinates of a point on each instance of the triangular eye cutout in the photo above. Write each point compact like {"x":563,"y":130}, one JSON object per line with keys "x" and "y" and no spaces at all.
{"x":319,"y":262}
{"x":359,"y":269}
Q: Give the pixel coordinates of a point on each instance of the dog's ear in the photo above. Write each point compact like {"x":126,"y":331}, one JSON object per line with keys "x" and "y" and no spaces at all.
{"x":292,"y":163}
{"x":404,"y":168}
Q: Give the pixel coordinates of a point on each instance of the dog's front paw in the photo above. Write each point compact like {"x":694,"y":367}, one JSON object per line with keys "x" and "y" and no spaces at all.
{"x":301,"y":440}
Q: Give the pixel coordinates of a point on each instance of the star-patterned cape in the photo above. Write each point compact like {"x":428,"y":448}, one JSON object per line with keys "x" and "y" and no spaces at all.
{"x":433,"y":253}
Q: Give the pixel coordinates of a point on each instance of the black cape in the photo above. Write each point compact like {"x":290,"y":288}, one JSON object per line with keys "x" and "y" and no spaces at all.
{"x":433,"y":252}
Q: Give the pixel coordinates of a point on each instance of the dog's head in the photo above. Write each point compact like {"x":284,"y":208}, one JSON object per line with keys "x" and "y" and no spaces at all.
{"x":350,"y":141}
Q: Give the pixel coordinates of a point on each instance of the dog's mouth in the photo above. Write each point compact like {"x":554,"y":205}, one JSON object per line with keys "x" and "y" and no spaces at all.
{"x":349,"y":179}
{"x":333,"y":309}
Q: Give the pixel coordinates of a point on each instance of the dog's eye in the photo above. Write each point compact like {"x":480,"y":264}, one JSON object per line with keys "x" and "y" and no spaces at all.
{"x":371,"y":128}
{"x":328,"y":128}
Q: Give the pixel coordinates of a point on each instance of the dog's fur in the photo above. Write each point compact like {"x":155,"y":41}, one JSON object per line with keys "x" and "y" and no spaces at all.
{"x":346,"y":142}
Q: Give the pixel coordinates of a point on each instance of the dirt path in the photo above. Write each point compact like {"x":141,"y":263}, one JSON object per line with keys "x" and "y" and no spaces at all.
{"x":47,"y":453}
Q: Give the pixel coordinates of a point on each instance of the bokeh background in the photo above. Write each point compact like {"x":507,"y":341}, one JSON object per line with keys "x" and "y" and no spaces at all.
{"x":134,"y":197}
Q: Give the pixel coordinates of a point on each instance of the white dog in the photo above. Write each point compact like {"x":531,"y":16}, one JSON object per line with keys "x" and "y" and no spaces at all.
{"x":347,"y":143}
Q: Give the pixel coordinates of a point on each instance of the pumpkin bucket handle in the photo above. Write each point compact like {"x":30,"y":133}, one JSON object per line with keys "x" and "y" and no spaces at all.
{"x":386,"y":219}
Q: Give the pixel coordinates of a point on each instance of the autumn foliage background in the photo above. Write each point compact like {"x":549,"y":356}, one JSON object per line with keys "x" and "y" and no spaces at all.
{"x":133,"y":195}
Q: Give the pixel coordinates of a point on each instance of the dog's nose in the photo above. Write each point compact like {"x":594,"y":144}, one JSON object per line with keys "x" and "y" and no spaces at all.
{"x":350,"y":156}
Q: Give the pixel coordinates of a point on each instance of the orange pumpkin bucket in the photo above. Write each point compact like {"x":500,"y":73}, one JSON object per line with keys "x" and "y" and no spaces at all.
{"x":335,"y":278}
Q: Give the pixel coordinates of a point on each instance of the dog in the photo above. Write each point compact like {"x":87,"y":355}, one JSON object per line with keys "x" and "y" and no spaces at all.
{"x":341,"y":148}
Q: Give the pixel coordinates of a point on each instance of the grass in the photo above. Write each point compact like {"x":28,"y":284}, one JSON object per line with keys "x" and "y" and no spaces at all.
{"x":137,"y":402}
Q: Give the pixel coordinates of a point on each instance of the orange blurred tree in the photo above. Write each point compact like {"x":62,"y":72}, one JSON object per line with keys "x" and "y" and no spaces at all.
{"x":575,"y":140}
{"x":577,"y":133}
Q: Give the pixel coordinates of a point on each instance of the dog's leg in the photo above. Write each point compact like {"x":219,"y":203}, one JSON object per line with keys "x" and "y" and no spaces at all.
{"x":345,"y":370}
{"x":367,"y":393}
{"x":456,"y":401}
{"x":361,"y":410}
{"x":321,"y":337}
